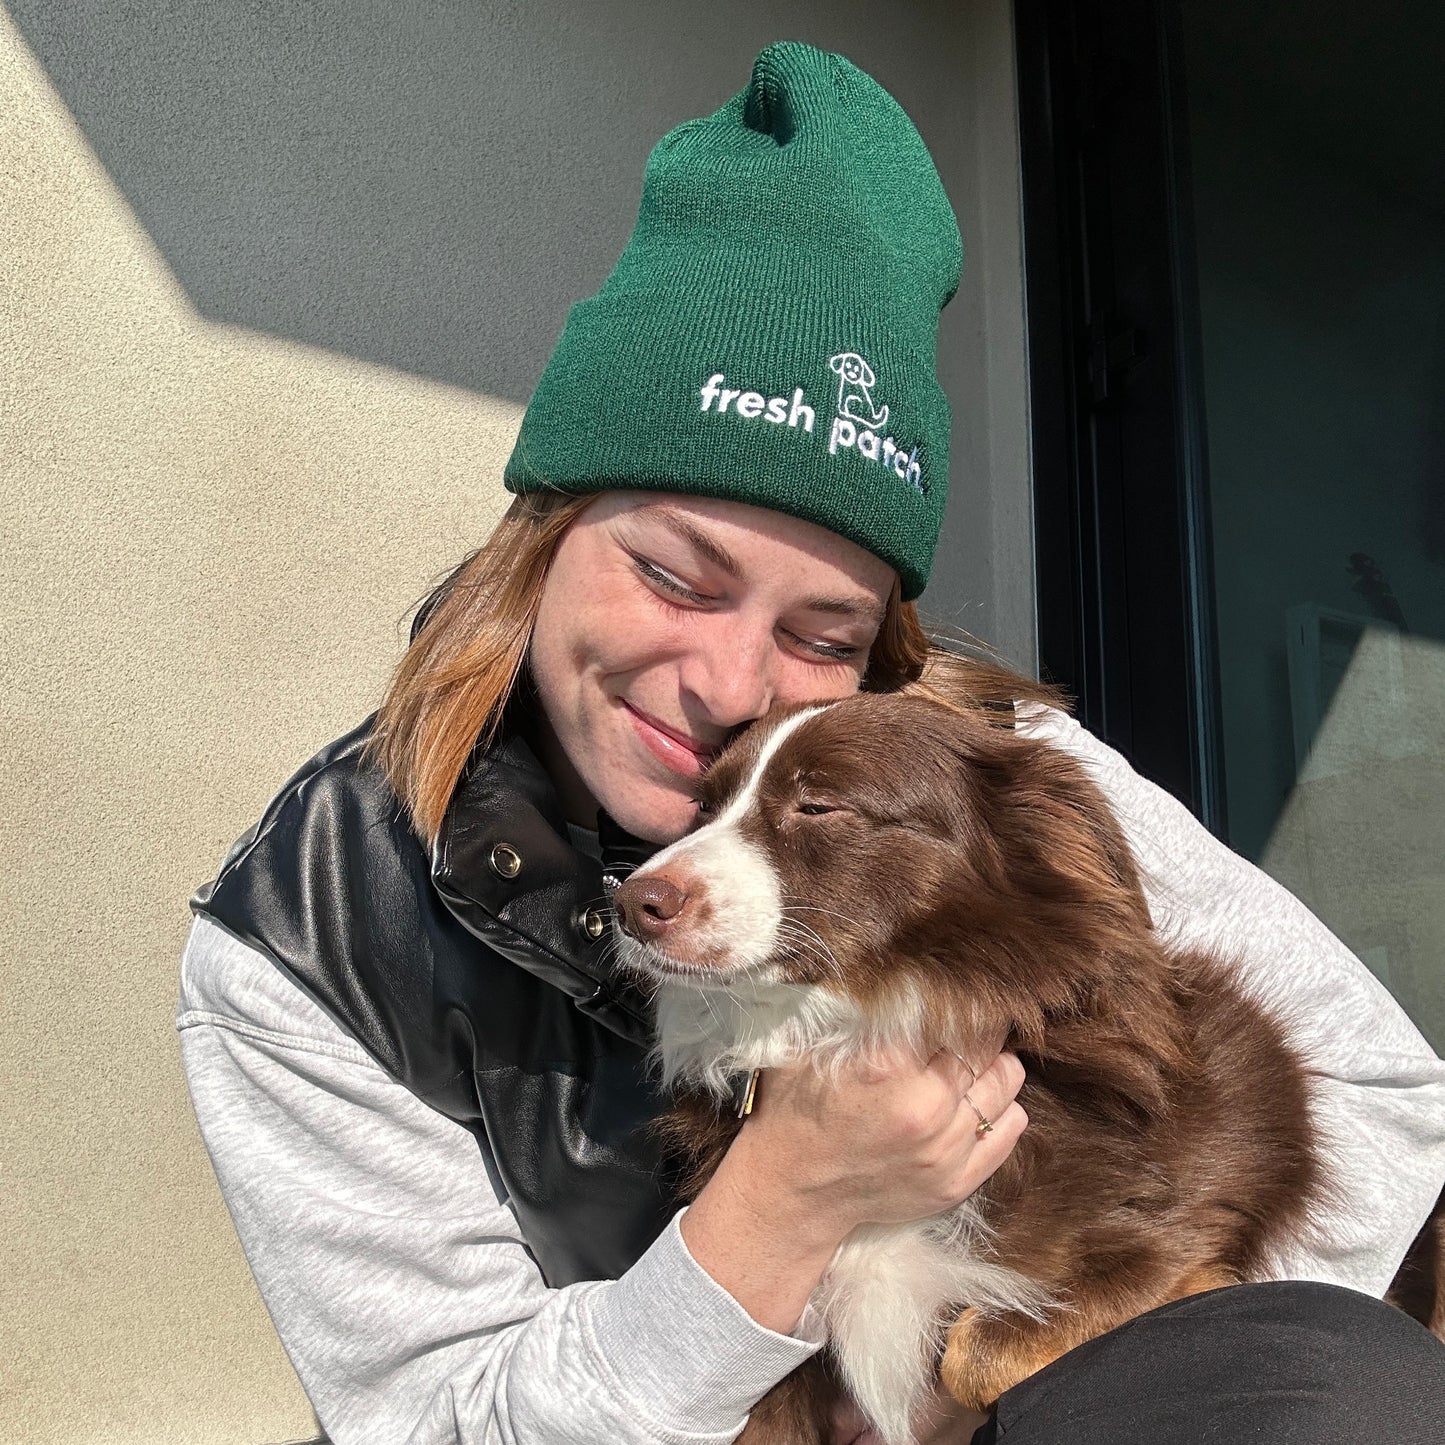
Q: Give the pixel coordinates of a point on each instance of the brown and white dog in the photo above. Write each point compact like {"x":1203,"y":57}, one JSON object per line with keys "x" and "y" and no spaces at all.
{"x":907,"y":871}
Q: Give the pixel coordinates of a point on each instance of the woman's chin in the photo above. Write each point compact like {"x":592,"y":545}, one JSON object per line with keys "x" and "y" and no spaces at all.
{"x":652,"y":813}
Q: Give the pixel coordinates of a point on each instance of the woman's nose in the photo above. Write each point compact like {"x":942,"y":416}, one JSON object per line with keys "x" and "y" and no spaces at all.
{"x":731,"y":674}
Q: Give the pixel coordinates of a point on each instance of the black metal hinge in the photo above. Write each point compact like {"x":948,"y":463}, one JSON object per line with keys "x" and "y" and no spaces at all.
{"x":1113,"y":348}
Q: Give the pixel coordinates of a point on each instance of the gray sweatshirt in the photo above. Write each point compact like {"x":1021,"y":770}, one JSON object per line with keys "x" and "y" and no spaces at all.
{"x":403,"y":1291}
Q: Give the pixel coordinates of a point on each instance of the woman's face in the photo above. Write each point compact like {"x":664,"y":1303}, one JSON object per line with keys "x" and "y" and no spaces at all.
{"x":669,"y":622}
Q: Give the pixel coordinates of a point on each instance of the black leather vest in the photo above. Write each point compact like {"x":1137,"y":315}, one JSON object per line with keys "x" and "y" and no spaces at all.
{"x":487,"y":995}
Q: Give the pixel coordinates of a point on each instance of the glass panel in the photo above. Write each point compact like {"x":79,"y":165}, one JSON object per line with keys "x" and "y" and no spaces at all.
{"x":1316,"y":137}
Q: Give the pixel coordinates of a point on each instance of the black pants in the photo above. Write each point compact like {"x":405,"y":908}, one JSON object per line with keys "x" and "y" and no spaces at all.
{"x":1278,"y":1364}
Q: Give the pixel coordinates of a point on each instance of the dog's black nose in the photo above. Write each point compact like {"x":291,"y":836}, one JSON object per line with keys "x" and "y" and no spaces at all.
{"x":645,"y":906}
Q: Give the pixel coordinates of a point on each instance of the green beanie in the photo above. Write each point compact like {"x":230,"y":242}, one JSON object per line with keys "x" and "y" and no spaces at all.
{"x":769,"y":334}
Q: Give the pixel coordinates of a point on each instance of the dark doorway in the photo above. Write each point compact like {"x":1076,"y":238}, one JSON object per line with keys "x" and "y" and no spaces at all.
{"x":1235,"y":237}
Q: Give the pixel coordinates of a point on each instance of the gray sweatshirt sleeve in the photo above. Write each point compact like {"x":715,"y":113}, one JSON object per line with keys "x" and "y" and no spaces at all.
{"x":396,"y":1277}
{"x":1379,"y":1090}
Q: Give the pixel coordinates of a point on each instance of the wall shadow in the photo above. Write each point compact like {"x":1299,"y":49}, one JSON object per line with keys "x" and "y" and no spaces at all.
{"x":411,"y":185}
{"x":424,"y":187}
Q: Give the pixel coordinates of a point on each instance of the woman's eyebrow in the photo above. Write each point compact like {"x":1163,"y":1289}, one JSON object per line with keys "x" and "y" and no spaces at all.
{"x":715,"y":552}
{"x":865,"y":607}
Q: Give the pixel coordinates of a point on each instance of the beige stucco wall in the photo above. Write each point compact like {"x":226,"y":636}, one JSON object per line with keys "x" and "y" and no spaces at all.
{"x":209,"y":536}
{"x":213,"y":525}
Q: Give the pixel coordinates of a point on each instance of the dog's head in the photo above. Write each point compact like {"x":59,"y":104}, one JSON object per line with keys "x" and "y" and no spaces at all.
{"x":895,"y":842}
{"x":852,"y":368}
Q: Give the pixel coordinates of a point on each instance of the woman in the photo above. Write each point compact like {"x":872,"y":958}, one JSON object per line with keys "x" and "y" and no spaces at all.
{"x":421,"y":1085}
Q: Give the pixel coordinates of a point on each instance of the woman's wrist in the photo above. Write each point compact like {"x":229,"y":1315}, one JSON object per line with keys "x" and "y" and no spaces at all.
{"x":758,"y":1238}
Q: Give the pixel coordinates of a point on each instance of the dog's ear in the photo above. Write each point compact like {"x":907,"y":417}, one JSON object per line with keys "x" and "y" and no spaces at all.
{"x":1073,"y":833}
{"x":1053,"y":827}
{"x":1045,"y":813}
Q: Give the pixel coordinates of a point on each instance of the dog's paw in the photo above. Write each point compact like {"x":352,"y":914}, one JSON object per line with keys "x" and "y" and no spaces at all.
{"x":986,"y":1356}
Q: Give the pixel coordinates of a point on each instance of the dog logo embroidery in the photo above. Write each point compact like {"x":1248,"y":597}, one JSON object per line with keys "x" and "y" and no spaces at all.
{"x":855,"y":383}
{"x":856,"y":426}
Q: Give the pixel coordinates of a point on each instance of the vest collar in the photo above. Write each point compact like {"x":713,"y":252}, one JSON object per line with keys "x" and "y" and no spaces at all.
{"x":505,"y":868}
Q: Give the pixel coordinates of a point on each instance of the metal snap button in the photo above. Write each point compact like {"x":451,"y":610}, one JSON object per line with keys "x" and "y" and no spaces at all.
{"x":506,"y":861}
{"x":594,"y":923}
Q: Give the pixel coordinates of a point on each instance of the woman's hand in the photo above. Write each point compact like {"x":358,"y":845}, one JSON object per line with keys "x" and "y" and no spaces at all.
{"x":883,"y":1142}
{"x":880,"y":1142}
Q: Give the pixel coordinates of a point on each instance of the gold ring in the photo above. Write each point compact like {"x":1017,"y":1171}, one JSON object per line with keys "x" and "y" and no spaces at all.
{"x":985,"y":1126}
{"x":972,"y":1072}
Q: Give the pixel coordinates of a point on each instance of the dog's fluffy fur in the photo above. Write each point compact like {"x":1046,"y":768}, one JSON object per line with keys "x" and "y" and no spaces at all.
{"x":907,"y":871}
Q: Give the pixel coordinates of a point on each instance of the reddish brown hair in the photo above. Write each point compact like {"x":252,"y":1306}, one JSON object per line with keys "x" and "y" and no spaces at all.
{"x":452,"y":684}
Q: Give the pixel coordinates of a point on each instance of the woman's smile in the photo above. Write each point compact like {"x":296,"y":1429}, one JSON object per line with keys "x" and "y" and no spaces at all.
{"x":672,"y":748}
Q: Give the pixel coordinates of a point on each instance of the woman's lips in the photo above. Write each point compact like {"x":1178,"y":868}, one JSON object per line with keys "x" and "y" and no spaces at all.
{"x":667,"y":747}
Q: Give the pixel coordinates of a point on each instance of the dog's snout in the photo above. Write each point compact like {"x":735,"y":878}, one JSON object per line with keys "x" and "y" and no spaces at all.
{"x":645,"y":906}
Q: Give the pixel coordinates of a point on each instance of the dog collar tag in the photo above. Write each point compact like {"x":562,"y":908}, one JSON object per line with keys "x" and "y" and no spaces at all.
{"x":745,"y":1091}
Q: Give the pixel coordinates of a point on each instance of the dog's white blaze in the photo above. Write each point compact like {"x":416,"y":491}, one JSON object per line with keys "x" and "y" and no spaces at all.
{"x":891,"y":1290}
{"x":747,"y":794}
{"x":743,"y":893}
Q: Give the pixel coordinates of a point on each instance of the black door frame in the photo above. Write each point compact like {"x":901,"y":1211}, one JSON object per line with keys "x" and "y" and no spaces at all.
{"x":1122,"y":549}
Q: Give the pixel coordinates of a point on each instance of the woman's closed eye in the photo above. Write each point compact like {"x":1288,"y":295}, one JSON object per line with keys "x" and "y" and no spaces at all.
{"x":661,"y":578}
{"x":830,"y":651}
{"x":674,"y":589}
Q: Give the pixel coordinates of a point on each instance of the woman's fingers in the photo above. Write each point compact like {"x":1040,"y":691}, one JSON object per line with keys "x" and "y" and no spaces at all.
{"x":888,"y":1137}
{"x":990,"y":1089}
{"x":992,"y":1148}
{"x":986,"y":1096}
{"x":997,"y":1086}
